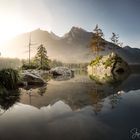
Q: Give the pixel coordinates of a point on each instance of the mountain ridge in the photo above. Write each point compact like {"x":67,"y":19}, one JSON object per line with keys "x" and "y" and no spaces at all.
{"x":72,"y":47}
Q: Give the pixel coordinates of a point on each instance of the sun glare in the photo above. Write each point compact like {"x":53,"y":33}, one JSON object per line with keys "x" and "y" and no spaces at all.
{"x":10,"y":26}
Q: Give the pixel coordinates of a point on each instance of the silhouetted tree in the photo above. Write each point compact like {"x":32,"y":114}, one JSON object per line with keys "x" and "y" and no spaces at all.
{"x":115,"y":40}
{"x":41,"y":57}
{"x":97,"y":42}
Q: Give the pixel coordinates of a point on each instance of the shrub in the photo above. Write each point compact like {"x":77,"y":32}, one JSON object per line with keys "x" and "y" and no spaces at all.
{"x":9,"y":78}
{"x":35,"y":66}
{"x":44,"y":68}
{"x":29,"y":66}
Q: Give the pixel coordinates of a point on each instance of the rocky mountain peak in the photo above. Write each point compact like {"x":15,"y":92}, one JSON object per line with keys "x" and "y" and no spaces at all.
{"x":77,"y":29}
{"x":54,"y":36}
{"x":77,"y":33}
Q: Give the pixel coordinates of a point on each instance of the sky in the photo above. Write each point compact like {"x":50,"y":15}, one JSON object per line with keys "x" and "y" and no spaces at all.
{"x":119,"y":16}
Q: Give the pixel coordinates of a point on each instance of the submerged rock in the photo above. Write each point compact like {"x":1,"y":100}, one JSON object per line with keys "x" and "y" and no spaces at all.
{"x":61,"y":71}
{"x":110,"y":68}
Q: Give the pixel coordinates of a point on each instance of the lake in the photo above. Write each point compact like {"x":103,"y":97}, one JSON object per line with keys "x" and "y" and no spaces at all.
{"x":73,"y":108}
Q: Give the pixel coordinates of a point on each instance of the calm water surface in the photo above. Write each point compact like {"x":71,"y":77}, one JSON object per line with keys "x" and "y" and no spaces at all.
{"x":73,"y":109}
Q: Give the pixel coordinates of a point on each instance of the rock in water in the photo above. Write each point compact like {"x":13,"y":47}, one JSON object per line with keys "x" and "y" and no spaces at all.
{"x":32,"y":79}
{"x":61,"y":71}
{"x":110,"y":68}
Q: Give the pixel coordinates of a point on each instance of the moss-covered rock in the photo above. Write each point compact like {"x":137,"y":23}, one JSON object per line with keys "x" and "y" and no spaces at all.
{"x":110,"y":68}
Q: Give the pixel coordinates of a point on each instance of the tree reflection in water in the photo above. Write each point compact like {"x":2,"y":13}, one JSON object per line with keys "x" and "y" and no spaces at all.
{"x":114,"y":100}
{"x":98,"y":96}
{"x":97,"y":100}
{"x":42,"y":90}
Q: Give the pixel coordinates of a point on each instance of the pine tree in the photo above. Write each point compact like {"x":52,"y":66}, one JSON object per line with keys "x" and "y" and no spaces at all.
{"x":97,"y":42}
{"x":115,"y":39}
{"x":41,"y":57}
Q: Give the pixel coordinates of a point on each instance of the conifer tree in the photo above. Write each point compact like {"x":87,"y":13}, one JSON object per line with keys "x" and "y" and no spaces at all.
{"x":115,"y":40}
{"x":41,"y":57}
{"x":97,"y":42}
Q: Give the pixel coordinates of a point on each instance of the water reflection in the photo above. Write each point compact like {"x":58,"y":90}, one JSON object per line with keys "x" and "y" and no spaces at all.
{"x":114,"y":100}
{"x":75,"y":109}
{"x":58,"y":121}
{"x":114,"y":78}
{"x":42,"y":90}
{"x":53,"y":122}
{"x":62,"y":77}
{"x":8,"y":98}
{"x":78,"y":92}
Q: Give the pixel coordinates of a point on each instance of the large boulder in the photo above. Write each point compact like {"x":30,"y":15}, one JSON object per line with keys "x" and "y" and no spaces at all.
{"x":28,"y":78}
{"x":61,"y":71}
{"x":110,"y":68}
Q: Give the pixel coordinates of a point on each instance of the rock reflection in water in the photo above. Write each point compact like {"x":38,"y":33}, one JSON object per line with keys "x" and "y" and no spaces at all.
{"x":115,"y":77}
{"x":63,"y":77}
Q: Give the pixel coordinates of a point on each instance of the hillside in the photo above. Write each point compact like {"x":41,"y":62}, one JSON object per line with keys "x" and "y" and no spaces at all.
{"x":72,"y":47}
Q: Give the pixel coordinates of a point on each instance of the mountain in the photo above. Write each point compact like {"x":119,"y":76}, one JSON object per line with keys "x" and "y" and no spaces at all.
{"x":73,"y":47}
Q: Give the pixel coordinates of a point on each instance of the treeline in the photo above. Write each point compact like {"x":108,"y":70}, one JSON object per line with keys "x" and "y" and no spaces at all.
{"x":9,"y":63}
{"x":56,"y":63}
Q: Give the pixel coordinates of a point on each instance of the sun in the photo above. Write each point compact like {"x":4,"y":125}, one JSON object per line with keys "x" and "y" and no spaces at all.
{"x":10,"y":26}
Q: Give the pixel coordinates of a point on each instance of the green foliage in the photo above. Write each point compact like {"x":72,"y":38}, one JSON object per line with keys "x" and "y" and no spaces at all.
{"x":96,"y":61}
{"x":40,"y":61}
{"x":111,"y":60}
{"x":26,"y":65}
{"x":9,"y":78}
{"x":29,"y":66}
{"x":41,"y":58}
{"x":97,"y":42}
{"x":3,"y":91}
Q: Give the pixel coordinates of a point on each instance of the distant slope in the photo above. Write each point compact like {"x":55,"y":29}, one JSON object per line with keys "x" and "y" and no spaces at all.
{"x":72,"y":47}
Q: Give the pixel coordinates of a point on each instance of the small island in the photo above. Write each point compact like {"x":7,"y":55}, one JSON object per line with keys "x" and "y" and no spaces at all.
{"x":109,"y":68}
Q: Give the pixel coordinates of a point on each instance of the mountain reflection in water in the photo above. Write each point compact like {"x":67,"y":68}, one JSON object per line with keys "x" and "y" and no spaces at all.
{"x":75,"y":109}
